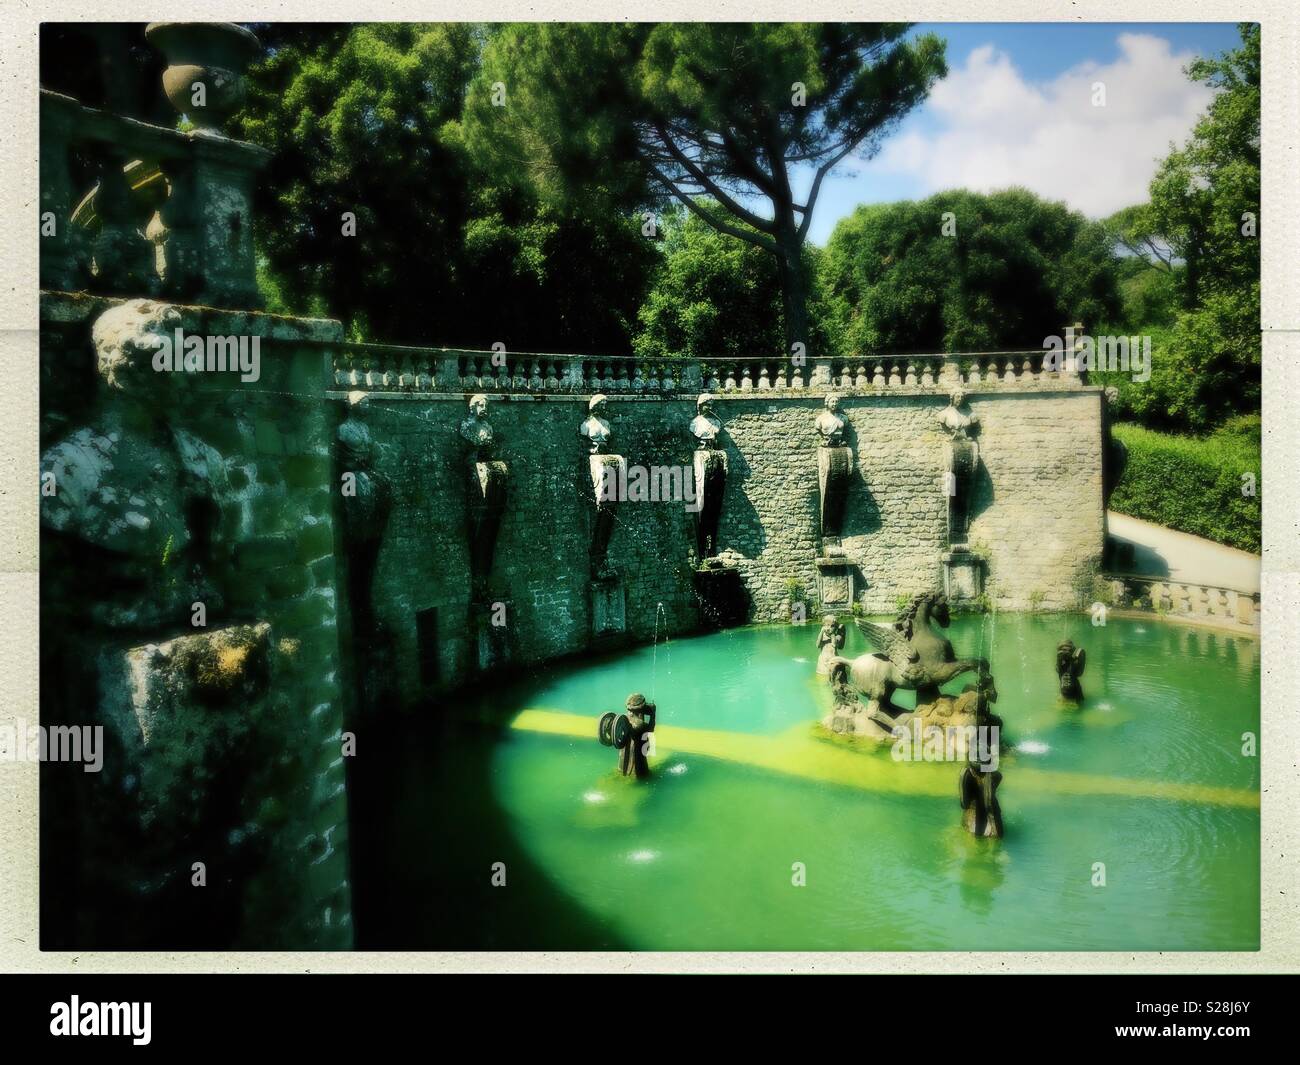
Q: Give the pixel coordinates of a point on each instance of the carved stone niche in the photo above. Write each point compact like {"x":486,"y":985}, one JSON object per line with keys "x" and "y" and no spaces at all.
{"x":607,"y":473}
{"x":835,"y":583}
{"x":608,"y":615}
{"x":608,"y":608}
{"x":963,"y":576}
{"x":710,"y":486}
{"x":487,"y":480}
{"x":720,"y":593}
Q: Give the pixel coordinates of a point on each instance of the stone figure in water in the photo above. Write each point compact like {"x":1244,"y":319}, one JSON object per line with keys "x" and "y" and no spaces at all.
{"x":627,"y":733}
{"x":961,"y":460}
{"x":595,"y":430}
{"x":830,"y":641}
{"x":981,"y":812}
{"x":1069,"y":668}
{"x":831,"y":424}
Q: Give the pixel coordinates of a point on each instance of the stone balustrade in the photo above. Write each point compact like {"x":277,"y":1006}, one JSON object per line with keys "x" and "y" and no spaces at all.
{"x":406,"y":369}
{"x":1228,"y":606}
{"x":753,"y":374}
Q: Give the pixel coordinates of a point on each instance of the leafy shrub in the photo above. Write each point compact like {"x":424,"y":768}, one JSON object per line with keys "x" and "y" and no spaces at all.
{"x":1194,"y":484}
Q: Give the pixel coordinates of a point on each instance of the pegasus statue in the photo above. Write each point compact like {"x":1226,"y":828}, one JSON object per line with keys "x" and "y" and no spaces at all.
{"x":910,"y":654}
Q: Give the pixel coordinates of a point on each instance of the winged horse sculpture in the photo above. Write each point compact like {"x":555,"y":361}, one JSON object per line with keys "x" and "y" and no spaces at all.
{"x":910,"y":654}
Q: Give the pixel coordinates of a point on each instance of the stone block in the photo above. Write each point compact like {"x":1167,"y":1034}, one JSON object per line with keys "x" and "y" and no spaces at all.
{"x":265,"y":552}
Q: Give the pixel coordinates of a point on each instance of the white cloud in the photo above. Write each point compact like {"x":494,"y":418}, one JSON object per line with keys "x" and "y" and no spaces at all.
{"x":987,"y":128}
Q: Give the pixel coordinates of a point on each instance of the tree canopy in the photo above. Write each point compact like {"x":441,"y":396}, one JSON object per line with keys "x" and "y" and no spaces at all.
{"x":718,"y":117}
{"x":1205,"y":209}
{"x":499,"y":180}
{"x":966,"y":271}
{"x":365,"y":120}
{"x":715,"y":296}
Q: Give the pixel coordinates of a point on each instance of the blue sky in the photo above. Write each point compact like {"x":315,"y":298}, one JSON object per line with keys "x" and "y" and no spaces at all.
{"x":1018,"y":107}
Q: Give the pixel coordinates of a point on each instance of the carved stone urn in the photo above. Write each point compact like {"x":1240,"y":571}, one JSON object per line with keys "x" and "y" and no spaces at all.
{"x":204,"y":79}
{"x":719,"y":590}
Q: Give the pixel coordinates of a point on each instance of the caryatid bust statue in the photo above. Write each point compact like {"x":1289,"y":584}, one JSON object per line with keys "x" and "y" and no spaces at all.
{"x":476,"y":430}
{"x":961,"y":459}
{"x":487,"y":493}
{"x":958,"y":425}
{"x":710,"y":468}
{"x":705,"y":426}
{"x":834,"y":466}
{"x":607,"y":472}
{"x":831,"y":424}
{"x":595,"y":430}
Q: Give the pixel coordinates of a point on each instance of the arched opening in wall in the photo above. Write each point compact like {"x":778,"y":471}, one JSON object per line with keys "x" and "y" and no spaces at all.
{"x":426,"y":645}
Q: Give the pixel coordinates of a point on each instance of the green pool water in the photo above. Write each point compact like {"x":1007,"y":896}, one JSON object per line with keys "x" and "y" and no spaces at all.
{"x":702,"y":857}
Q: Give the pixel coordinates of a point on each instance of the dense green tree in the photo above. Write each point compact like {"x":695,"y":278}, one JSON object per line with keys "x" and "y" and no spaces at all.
{"x":715,"y":296}
{"x":551,"y":277}
{"x":1149,"y":296}
{"x":354,"y":123}
{"x":719,"y":117}
{"x":966,"y":271}
{"x":366,"y":119}
{"x":1205,"y":208}
{"x":1133,"y":230}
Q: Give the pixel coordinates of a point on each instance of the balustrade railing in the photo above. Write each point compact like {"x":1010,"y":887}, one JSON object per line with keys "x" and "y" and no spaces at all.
{"x":398,"y":368}
{"x":753,"y":375}
{"x":1187,"y":599}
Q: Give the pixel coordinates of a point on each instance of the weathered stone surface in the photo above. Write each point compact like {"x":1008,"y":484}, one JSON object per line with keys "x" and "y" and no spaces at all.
{"x":227,"y":669}
{"x":164,"y":501}
{"x":126,"y":337}
{"x":1036,"y":514}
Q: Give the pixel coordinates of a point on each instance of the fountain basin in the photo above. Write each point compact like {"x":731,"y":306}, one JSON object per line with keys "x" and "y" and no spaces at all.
{"x":1145,"y":782}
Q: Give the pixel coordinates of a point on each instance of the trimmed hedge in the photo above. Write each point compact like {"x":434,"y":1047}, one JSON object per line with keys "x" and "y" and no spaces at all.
{"x":1194,"y":484}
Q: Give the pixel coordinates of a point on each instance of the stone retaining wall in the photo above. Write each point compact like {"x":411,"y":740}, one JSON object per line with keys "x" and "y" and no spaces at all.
{"x":1038,"y":517}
